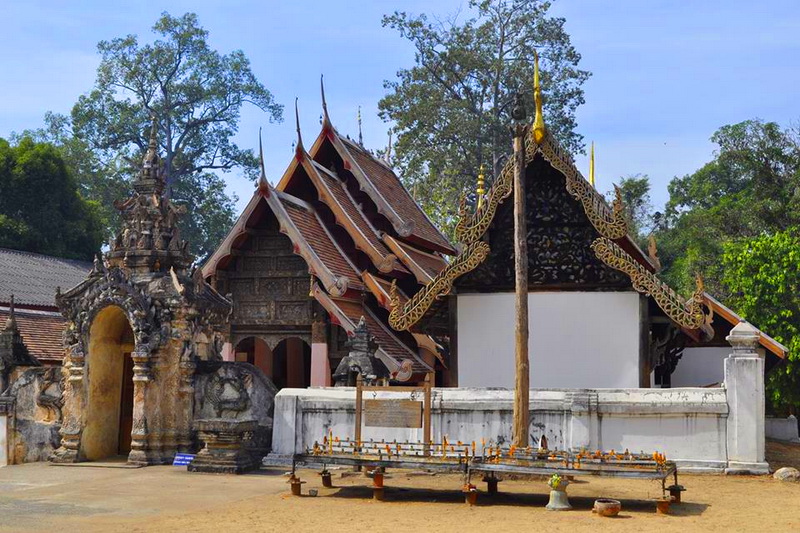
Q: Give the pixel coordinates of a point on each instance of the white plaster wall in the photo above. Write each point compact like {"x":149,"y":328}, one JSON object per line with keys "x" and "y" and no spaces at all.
{"x":782,"y":428}
{"x":688,"y":425}
{"x":700,"y":367}
{"x":577,"y":339}
{"x":3,"y":440}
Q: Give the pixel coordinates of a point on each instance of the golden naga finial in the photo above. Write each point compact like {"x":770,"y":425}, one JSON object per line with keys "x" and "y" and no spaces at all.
{"x":591,"y":166}
{"x":538,"y":122}
{"x":481,"y":187}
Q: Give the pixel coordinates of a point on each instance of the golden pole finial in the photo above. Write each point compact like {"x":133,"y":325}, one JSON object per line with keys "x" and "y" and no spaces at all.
{"x":538,"y":122}
{"x":591,"y":166}
{"x":481,"y":187}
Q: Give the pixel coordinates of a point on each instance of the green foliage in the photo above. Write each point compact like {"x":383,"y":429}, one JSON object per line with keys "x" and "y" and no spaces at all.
{"x":635,"y":191}
{"x":450,"y":109}
{"x":41,"y":209}
{"x":752,"y":187}
{"x":763,"y":278}
{"x":196,"y":93}
{"x":736,"y":221}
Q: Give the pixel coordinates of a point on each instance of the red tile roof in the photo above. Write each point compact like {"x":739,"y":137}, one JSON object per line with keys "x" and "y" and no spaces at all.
{"x":41,"y":332}
{"x":346,"y":203}
{"x":424,"y":265}
{"x":390,"y":187}
{"x":320,"y":241}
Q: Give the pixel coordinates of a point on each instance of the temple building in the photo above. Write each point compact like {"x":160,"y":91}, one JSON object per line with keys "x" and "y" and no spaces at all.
{"x":28,"y":283}
{"x":599,"y":316}
{"x":308,"y":258}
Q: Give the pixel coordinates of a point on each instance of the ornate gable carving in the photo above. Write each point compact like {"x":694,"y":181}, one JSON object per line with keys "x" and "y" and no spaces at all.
{"x":559,"y":241}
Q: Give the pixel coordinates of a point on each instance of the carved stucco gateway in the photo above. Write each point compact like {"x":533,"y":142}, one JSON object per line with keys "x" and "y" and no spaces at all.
{"x":107,"y":287}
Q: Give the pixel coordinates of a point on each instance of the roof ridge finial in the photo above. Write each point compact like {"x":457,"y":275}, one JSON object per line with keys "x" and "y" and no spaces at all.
{"x":591,"y":166}
{"x":360,"y":136}
{"x":263,"y":184}
{"x":388,"y":155}
{"x":481,"y":187}
{"x":325,"y":118}
{"x":538,"y":121}
{"x":299,"y":148}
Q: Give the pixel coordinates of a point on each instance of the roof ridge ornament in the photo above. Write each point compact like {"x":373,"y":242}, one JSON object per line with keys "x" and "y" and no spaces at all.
{"x":326,"y":119}
{"x":263,"y":184}
{"x":481,"y":191}
{"x":387,"y":156}
{"x":538,"y":121}
{"x":299,"y":148}
{"x":591,"y":166}
{"x":360,"y":136}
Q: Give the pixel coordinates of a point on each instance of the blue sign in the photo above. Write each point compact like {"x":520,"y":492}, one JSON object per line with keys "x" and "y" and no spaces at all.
{"x":183,"y":459}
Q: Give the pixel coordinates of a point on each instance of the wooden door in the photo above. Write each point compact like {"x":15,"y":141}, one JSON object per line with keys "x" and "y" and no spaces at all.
{"x":126,"y":406}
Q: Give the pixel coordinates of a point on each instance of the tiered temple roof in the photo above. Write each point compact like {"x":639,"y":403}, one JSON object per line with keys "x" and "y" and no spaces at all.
{"x":358,"y":229}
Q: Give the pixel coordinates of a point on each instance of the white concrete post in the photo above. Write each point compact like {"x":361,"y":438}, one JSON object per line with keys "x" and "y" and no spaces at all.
{"x":744,"y":384}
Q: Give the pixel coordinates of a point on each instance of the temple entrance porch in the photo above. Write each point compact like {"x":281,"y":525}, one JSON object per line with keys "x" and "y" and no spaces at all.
{"x":288,"y":364}
{"x":109,"y":413}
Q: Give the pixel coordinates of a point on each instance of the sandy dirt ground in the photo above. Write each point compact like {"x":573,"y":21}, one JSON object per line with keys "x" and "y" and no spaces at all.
{"x":42,"y":497}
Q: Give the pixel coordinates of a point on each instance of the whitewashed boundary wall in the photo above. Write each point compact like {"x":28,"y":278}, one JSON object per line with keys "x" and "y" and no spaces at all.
{"x":702,"y":429}
{"x":784,"y":429}
{"x":687,"y":424}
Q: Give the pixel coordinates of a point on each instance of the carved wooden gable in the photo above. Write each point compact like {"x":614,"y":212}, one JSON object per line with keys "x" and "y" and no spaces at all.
{"x":559,"y":242}
{"x":269,"y":282}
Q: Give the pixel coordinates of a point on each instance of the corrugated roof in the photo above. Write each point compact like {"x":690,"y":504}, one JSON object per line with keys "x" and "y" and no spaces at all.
{"x":33,"y":278}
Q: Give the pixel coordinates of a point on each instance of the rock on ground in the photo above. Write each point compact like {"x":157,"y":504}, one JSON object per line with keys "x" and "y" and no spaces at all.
{"x":787,"y":473}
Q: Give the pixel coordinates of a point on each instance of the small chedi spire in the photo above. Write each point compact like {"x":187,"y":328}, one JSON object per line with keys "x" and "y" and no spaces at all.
{"x":481,"y":191}
{"x":591,"y":166}
{"x":263,"y":184}
{"x":151,"y":176}
{"x":360,"y":136}
{"x":538,"y":121}
{"x":11,"y":322}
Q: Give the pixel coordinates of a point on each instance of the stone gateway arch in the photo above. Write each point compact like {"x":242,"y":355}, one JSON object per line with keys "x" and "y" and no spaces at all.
{"x":137,"y":328}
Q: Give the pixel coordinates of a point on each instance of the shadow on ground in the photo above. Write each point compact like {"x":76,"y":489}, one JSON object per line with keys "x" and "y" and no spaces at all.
{"x":515,"y":499}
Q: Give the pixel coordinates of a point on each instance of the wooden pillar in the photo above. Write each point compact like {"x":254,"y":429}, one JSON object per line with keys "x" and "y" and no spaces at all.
{"x":522,"y":380}
{"x":295,"y":363}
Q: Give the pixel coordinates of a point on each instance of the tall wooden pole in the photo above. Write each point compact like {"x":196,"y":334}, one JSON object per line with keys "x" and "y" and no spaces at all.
{"x":522,"y":381}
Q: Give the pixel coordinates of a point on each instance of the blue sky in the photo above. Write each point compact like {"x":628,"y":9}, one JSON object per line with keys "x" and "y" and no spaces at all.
{"x":666,"y":74}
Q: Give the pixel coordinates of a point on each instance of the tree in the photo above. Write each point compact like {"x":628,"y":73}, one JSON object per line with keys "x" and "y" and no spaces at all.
{"x":41,"y":209}
{"x":196,"y":95}
{"x":750,"y":188}
{"x":449,"y":109}
{"x":762,"y":275}
{"x":635,"y":191}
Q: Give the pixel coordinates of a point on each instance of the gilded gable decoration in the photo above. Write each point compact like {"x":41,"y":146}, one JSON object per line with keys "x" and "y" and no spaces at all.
{"x":688,"y":314}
